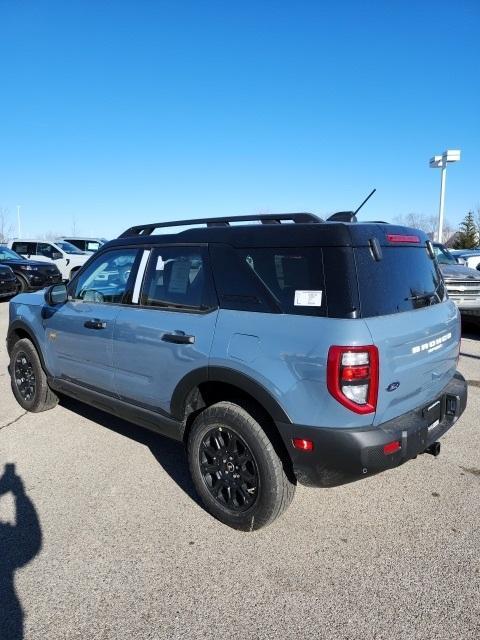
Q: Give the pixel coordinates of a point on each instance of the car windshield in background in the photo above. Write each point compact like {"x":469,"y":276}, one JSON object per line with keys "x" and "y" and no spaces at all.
{"x":443,"y":255}
{"x":406,"y":278}
{"x":69,"y":248}
{"x":7,"y":254}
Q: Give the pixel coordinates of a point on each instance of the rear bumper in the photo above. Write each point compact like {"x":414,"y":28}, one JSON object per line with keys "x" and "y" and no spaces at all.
{"x":344,"y":455}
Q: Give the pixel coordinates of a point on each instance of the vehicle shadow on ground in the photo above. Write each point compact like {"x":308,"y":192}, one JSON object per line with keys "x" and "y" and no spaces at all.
{"x":19,"y":544}
{"x":470,"y":330}
{"x":168,"y":453}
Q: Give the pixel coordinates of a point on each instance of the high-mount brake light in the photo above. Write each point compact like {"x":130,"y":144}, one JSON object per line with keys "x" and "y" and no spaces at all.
{"x":352,"y":377}
{"x":398,"y":237}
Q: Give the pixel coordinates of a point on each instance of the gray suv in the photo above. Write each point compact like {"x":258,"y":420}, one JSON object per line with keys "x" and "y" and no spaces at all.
{"x":286,"y":350}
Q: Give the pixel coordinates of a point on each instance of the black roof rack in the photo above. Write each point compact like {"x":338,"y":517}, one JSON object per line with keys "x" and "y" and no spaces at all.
{"x":271,"y":218}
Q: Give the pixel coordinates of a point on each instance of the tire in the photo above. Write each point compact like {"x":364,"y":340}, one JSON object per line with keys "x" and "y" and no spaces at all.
{"x":22,"y":284}
{"x":28,"y":379}
{"x":248,"y":489}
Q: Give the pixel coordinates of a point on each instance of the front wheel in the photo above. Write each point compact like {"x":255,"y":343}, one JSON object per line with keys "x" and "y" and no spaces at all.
{"x":29,"y":382}
{"x":235,"y":469}
{"x":22,"y":284}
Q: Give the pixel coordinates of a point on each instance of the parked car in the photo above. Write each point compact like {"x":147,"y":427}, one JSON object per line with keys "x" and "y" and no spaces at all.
{"x":291,"y":350}
{"x":8,"y":282}
{"x":30,"y":275}
{"x":67,"y":258}
{"x":89,"y":245}
{"x":462,"y":283}
{"x":470,"y":257}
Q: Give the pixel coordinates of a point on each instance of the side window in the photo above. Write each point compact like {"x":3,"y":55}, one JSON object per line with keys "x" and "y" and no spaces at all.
{"x":293,"y":276}
{"x":45,"y":249}
{"x":107,"y":278}
{"x":175,"y":278}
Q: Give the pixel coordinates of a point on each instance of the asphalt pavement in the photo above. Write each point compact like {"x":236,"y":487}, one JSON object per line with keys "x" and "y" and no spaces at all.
{"x":109,"y":541}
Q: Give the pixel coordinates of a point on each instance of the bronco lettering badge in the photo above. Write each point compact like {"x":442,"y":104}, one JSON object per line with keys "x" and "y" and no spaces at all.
{"x":432,"y":345}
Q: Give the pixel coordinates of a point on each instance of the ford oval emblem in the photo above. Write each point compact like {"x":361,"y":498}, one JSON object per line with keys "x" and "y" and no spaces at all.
{"x":393,"y":386}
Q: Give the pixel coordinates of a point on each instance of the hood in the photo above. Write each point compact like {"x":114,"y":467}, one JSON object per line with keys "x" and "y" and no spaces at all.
{"x":458,"y":272}
{"x":24,"y":261}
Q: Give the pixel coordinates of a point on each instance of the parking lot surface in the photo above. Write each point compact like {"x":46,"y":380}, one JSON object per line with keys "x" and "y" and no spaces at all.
{"x":115,"y":545}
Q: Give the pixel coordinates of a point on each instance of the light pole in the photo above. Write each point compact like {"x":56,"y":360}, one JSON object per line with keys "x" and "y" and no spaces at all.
{"x":440,"y":162}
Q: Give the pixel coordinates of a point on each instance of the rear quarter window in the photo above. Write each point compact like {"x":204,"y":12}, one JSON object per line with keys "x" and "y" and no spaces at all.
{"x":294,"y":277}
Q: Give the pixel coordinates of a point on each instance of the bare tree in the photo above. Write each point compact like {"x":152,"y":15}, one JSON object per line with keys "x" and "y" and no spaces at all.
{"x":426,"y":223}
{"x":6,"y":227}
{"x":50,"y":235}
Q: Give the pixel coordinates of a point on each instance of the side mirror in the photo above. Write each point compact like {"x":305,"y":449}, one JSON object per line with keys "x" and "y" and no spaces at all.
{"x":56,"y":255}
{"x":56,"y":294}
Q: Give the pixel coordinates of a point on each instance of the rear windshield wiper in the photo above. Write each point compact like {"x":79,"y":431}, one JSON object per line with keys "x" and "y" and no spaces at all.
{"x":426,"y":295}
{"x":422,"y":296}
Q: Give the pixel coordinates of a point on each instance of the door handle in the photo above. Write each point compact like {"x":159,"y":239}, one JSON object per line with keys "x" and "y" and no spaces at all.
{"x":95,"y":324}
{"x":178,"y":338}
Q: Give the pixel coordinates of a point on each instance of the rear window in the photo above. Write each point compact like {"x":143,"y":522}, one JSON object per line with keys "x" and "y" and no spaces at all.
{"x":294,"y":277}
{"x":406,"y":278}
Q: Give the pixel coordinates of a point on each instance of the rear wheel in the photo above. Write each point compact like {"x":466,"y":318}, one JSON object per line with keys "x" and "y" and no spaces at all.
{"x":29,"y":382}
{"x":235,"y":469}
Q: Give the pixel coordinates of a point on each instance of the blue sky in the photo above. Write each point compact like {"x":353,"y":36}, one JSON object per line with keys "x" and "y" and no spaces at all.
{"x":114,"y":113}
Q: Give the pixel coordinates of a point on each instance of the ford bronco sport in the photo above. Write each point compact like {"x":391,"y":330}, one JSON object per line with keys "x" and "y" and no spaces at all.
{"x":279,"y":349}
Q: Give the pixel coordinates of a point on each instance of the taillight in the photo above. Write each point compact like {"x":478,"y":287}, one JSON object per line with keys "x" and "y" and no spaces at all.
{"x":352,"y":377}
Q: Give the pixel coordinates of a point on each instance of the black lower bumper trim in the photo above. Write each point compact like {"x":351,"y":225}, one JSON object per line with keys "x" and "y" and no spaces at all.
{"x":345,"y":455}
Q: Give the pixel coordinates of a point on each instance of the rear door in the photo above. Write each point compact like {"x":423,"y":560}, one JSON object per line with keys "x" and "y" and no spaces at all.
{"x":167,"y":331}
{"x":415,"y":327}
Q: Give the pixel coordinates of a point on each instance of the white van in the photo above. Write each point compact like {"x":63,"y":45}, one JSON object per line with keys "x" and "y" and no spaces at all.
{"x":64,"y":255}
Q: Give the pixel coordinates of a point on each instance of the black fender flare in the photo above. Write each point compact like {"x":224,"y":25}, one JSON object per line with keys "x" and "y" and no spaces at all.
{"x":227,"y":376}
{"x":23,"y":326}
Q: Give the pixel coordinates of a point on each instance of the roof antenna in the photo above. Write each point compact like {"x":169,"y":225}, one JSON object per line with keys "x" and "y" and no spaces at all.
{"x":365,"y":201}
{"x":349,"y":216}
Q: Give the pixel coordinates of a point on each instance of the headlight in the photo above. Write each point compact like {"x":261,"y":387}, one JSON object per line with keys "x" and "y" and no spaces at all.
{"x":28,"y":267}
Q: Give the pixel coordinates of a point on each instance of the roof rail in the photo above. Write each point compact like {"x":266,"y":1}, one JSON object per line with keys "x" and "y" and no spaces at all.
{"x":271,"y":218}
{"x":343,"y":216}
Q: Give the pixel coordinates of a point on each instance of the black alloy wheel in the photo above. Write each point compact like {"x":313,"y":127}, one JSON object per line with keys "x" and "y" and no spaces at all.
{"x":229,"y":469}
{"x":24,"y":376}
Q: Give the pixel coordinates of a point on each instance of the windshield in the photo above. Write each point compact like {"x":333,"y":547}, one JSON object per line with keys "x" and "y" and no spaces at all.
{"x":443,"y":255}
{"x":69,"y":248}
{"x":7,"y":254}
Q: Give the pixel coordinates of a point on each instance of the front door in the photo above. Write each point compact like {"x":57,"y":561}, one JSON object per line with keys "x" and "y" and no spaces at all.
{"x":168,"y":330}
{"x":79,"y":333}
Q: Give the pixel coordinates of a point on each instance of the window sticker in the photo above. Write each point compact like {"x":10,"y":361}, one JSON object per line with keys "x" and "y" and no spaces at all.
{"x":179,"y":279}
{"x":308,"y":298}
{"x":160,"y":264}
